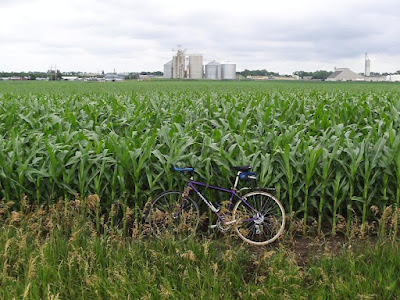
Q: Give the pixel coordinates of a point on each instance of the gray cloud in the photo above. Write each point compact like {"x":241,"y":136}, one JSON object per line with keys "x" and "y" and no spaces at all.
{"x":94,"y":35}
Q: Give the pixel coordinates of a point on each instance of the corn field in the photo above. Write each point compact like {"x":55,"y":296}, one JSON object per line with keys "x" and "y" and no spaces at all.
{"x":332,"y":151}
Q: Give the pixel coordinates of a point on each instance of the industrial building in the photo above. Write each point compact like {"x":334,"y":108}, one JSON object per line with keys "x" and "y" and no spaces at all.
{"x":195,"y":67}
{"x":393,"y":78}
{"x":367,"y":65}
{"x":114,"y":77}
{"x":375,"y":78}
{"x":178,"y":65}
{"x":191,"y":67}
{"x":69,"y":78}
{"x":344,"y":74}
{"x":228,"y":71}
{"x":168,"y":69}
{"x":213,"y":70}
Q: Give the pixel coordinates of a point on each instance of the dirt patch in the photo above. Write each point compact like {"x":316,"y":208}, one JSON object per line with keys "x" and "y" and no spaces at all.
{"x":309,"y":248}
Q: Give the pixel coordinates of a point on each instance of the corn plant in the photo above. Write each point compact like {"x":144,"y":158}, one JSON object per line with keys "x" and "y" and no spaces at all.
{"x":326,"y":161}
{"x":118,"y":141}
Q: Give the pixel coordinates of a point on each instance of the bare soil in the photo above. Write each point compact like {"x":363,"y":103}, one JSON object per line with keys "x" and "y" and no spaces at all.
{"x":309,"y":248}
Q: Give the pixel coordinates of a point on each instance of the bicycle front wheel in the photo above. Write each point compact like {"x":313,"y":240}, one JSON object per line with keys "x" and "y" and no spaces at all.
{"x":171,"y":215}
{"x":259,"y":218}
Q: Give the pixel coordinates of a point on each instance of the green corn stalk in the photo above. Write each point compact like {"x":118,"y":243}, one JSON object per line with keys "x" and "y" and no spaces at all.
{"x":340,"y":188}
{"x":396,"y":159}
{"x":312,"y":159}
{"x":139,"y":161}
{"x":355,"y":154}
{"x":327,"y":159}
{"x":288,"y":171}
{"x":370,"y":163}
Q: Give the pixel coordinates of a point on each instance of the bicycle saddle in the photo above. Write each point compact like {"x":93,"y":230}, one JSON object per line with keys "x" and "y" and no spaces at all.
{"x":185,"y":169}
{"x":242,"y":168}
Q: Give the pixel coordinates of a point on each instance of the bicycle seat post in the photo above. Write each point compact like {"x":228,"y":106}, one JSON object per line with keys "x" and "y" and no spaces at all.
{"x":236,"y":181}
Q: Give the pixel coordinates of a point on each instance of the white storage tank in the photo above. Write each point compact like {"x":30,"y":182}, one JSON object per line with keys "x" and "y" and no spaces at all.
{"x":213,"y":70}
{"x":228,"y":71}
{"x":168,"y":69}
{"x":195,"y":66}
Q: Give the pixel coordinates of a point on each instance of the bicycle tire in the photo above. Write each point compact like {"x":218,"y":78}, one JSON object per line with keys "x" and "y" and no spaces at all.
{"x":167,"y":216}
{"x":259,"y":218}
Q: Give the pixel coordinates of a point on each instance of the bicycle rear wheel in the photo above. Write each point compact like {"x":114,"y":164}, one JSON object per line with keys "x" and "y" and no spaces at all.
{"x":260,"y":218}
{"x":171,"y":215}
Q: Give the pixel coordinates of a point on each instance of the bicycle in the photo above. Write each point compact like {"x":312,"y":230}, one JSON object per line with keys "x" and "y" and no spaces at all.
{"x":257,"y":217}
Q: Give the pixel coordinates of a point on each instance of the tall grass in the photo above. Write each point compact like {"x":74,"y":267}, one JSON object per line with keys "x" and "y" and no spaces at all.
{"x":49,"y":252}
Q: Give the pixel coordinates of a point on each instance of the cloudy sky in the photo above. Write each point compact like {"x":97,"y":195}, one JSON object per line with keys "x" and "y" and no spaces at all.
{"x":129,"y":35}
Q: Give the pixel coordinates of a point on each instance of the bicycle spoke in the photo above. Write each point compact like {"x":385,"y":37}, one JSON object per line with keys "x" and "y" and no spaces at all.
{"x":260,"y":218}
{"x":171,"y":215}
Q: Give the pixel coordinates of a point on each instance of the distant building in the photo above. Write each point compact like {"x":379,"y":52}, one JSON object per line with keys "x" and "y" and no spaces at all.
{"x":114,"y":77}
{"x":375,"y":78}
{"x":146,"y":76}
{"x":228,"y":71}
{"x":393,"y":78}
{"x":69,"y":78}
{"x":195,"y":68}
{"x":344,"y":74}
{"x":178,"y":65}
{"x":213,"y":70}
{"x":191,"y":66}
{"x":168,"y":69}
{"x":367,"y":65}
{"x":253,"y":77}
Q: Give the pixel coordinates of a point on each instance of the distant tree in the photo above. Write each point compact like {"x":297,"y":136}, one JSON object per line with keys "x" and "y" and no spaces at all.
{"x":398,"y":72}
{"x":262,"y":72}
{"x":321,"y":74}
{"x":54,"y":75}
{"x":132,"y":75}
{"x":58,"y":75}
{"x":32,"y":76}
{"x":156,"y":73}
{"x":302,"y":74}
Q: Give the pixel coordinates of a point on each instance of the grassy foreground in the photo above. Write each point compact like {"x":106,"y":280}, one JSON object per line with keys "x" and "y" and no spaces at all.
{"x":57,"y":253}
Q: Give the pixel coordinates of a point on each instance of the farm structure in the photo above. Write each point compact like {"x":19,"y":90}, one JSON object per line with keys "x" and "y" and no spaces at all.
{"x":191,"y":67}
{"x":344,"y":74}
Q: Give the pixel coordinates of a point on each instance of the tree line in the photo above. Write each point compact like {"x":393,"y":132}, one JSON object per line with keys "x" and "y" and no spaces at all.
{"x":262,"y":72}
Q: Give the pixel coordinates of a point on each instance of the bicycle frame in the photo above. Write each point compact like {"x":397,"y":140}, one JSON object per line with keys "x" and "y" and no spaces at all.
{"x":232,"y":192}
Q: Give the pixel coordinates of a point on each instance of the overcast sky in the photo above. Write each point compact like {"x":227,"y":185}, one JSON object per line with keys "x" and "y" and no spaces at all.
{"x":129,"y":35}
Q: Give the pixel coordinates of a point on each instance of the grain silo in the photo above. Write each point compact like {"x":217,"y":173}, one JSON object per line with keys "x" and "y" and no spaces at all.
{"x":228,"y":71}
{"x":195,"y":67}
{"x":213,"y":70}
{"x":168,"y":69}
{"x":367,"y":65}
{"x":178,"y":65}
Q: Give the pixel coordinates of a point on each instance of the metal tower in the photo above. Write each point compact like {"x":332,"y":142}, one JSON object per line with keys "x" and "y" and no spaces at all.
{"x":367,"y":65}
